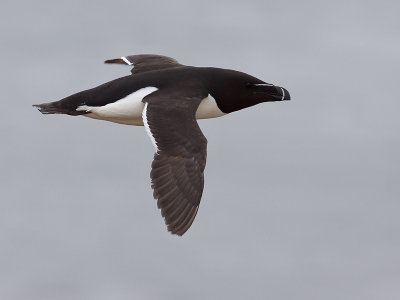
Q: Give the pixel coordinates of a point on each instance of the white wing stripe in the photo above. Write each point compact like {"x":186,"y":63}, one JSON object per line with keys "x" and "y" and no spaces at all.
{"x":146,"y":125}
{"x":126,"y":60}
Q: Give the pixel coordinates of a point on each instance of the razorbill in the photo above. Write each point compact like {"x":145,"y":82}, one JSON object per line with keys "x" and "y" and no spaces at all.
{"x":167,"y":98}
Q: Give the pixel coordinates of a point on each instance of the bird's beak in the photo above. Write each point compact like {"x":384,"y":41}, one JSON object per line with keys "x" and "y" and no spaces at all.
{"x":276,"y":92}
{"x":282,"y":94}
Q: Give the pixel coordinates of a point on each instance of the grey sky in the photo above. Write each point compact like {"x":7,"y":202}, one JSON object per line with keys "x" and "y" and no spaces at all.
{"x":301,"y":198}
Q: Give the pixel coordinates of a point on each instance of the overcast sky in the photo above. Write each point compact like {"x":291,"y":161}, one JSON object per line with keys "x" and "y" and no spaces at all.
{"x":301,"y":198}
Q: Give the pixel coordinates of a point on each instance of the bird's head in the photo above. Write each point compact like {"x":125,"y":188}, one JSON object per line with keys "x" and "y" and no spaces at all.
{"x":237,"y":90}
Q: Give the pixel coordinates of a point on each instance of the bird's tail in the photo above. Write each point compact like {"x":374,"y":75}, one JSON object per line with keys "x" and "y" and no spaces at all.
{"x":57,"y":107}
{"x":48,"y":108}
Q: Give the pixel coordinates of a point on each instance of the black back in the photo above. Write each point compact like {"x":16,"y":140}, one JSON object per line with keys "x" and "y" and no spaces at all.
{"x":231,"y":89}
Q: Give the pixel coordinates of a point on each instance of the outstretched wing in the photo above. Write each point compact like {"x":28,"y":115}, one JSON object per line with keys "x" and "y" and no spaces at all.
{"x":145,"y":62}
{"x":177,"y":173}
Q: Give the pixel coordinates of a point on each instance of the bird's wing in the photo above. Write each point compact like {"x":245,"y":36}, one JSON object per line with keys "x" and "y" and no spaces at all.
{"x":177,"y":170}
{"x":145,"y":62}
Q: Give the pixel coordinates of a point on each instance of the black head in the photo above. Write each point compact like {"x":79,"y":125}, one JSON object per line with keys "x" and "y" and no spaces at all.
{"x":235,"y":90}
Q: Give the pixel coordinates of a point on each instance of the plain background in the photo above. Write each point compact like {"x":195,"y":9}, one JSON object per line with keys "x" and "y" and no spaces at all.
{"x":301,"y":198}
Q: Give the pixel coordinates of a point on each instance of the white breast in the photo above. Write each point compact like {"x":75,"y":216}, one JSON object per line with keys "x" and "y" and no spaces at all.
{"x":208,"y":109}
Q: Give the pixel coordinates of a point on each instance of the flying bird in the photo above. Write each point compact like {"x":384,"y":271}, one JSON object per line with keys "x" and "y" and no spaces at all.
{"x":167,"y":98}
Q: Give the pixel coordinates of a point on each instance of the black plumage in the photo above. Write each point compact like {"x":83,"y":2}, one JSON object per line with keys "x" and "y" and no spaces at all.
{"x":173,"y":96}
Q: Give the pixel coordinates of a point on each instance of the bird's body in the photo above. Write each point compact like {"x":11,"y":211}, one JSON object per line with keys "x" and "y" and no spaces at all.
{"x":167,"y":98}
{"x":127,"y":107}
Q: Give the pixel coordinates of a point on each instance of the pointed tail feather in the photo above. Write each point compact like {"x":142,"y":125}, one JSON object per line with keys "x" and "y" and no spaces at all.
{"x":47,"y":108}
{"x":56,"y":108}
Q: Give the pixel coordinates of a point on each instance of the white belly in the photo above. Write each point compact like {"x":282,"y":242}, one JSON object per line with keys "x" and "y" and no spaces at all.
{"x":128,"y":110}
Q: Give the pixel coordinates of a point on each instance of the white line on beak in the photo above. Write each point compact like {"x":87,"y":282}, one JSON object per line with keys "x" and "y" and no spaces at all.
{"x":263,"y":84}
{"x":126,"y":60}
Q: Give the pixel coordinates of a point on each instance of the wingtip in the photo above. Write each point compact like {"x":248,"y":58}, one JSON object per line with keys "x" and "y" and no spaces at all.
{"x":38,"y":106}
{"x":173,"y":231}
{"x":115,"y":61}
